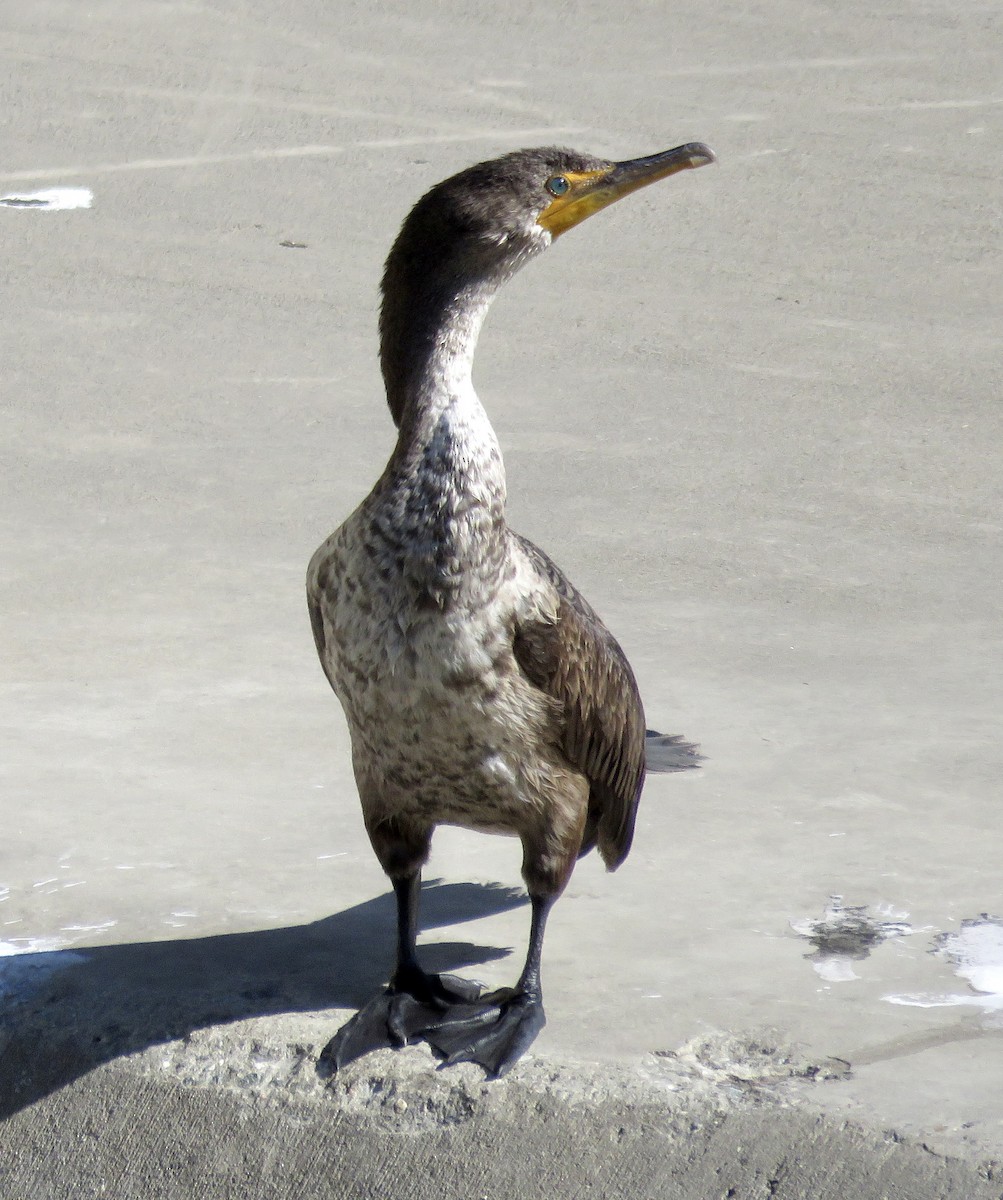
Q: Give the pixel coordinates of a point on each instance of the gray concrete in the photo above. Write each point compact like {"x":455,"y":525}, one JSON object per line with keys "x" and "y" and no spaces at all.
{"x":243,"y":1114}
{"x":754,"y":413}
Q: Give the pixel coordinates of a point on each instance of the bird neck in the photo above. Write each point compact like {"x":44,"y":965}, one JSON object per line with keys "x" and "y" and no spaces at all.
{"x":445,"y":483}
{"x":428,"y":338}
{"x":445,"y":439}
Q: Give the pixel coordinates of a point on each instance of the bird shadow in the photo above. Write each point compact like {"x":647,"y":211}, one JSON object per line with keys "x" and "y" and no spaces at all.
{"x":63,"y":1013}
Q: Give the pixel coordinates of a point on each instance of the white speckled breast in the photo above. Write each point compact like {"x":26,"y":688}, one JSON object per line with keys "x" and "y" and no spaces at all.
{"x":419,"y":592}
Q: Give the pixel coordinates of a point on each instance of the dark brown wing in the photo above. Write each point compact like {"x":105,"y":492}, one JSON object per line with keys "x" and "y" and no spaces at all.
{"x":579,"y":663}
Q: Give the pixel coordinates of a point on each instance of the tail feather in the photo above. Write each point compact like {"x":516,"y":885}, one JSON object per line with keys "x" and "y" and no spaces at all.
{"x":665,"y":752}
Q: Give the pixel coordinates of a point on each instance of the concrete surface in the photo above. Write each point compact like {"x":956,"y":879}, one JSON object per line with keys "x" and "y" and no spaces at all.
{"x":243,"y":1114}
{"x":754,"y":413}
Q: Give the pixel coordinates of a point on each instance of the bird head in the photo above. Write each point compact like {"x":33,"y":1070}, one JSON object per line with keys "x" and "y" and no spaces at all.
{"x":578,"y":186}
{"x":469,"y":234}
{"x":492,"y":216}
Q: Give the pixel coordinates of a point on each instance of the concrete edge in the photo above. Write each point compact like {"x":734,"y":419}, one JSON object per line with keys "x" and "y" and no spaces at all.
{"x":240,"y":1110}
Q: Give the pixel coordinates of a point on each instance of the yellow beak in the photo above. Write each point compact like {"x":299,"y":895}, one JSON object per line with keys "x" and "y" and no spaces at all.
{"x":589,"y":191}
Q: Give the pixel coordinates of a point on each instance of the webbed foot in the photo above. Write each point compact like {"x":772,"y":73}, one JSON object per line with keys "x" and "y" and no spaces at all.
{"x":494,"y":1032}
{"x":398,"y":1015}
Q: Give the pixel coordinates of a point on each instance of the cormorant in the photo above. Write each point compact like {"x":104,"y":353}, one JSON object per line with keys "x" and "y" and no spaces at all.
{"x":480,"y":688}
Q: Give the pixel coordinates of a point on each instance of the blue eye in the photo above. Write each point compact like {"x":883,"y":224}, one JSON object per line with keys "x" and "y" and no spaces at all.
{"x":557,"y":186}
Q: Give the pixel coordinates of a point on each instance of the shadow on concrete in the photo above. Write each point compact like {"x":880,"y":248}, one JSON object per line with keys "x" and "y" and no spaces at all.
{"x":66,"y":1012}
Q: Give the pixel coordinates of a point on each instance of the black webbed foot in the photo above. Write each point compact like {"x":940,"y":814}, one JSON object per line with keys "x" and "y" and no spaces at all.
{"x":494,"y":1032}
{"x":398,"y":1015}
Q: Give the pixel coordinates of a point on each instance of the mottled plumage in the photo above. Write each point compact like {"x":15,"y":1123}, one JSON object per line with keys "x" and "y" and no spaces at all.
{"x":480,"y":688}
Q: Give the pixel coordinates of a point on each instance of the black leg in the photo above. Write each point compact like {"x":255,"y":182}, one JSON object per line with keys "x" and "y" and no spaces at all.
{"x":410,"y":1004}
{"x":410,"y":982}
{"x":502,"y":1025}
{"x":529,"y":980}
{"x":408,"y":893}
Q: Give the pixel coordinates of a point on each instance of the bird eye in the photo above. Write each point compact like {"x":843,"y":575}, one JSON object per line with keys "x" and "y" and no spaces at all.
{"x":557,"y":186}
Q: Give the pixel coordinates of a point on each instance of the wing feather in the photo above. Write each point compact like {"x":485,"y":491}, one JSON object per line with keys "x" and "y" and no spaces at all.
{"x":578,"y":662}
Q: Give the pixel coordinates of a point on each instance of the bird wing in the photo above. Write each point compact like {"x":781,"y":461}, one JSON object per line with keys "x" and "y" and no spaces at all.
{"x":578,"y":662}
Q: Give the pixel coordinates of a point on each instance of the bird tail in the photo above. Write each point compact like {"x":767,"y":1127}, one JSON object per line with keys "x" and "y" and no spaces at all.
{"x":665,"y":752}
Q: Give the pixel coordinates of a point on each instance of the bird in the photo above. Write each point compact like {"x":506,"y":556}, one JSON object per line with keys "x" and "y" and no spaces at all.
{"x":479,"y":686}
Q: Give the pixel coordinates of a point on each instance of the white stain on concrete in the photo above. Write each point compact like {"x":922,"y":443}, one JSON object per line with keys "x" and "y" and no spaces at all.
{"x":863,"y":62}
{"x":975,"y":952}
{"x":180,"y":917}
{"x":101,"y":927}
{"x":268,"y":153}
{"x":834,"y":970}
{"x":926,"y":105}
{"x":49,"y":199}
{"x":776,"y":372}
{"x":284,"y":380}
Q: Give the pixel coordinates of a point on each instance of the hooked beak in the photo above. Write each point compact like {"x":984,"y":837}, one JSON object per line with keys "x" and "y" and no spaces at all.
{"x":591,"y":191}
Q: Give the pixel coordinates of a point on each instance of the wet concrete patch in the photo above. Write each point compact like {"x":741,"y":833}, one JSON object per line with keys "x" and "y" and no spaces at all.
{"x":847,"y":933}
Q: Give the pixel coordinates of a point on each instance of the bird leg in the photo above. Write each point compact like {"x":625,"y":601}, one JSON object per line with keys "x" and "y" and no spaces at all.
{"x":498,"y":1028}
{"x":411,"y":1002}
{"x":409,"y":981}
